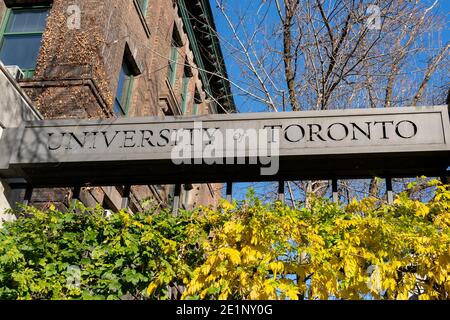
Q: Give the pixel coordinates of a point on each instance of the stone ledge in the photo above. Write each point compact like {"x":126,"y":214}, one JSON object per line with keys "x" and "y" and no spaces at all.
{"x":90,"y":83}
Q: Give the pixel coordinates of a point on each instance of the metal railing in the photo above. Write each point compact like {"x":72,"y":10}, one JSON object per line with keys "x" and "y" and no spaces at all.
{"x":126,"y":193}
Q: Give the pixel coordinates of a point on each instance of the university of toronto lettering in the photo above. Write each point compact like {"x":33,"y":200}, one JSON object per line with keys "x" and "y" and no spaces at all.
{"x":293,"y":133}
{"x":199,"y":145}
{"x":244,"y":147}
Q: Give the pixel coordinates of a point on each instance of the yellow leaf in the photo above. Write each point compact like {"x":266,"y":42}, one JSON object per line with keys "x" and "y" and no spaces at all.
{"x":292,"y":293}
{"x":403,"y":296}
{"x":349,"y":265}
{"x":223,"y":295}
{"x":233,"y":254}
{"x":423,"y":211}
{"x":227,"y":206}
{"x":151,"y":288}
{"x":389,"y":284}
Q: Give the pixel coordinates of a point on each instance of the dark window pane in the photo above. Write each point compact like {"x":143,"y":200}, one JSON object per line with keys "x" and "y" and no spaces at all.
{"x":21,"y":50}
{"x":123,"y":88}
{"x":27,"y":21}
{"x":125,"y":68}
{"x":121,"y":85}
{"x":124,"y":83}
{"x":172,"y":71}
{"x":125,"y":91}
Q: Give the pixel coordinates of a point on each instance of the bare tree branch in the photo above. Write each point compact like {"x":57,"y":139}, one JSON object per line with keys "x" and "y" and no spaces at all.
{"x":430,"y":70}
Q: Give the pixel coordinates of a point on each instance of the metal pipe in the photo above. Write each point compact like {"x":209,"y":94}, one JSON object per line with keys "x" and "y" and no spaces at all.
{"x":28,"y":195}
{"x":126,"y":197}
{"x":281,"y":191}
{"x":389,"y":190}
{"x":229,"y":196}
{"x":76,"y":194}
{"x":334,"y":187}
{"x":176,"y":199}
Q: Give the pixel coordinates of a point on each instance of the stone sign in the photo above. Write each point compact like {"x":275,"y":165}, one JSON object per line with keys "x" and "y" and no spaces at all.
{"x":215,"y":148}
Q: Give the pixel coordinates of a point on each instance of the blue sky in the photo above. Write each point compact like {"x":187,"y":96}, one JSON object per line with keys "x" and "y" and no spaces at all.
{"x":251,"y":6}
{"x":234,"y":71}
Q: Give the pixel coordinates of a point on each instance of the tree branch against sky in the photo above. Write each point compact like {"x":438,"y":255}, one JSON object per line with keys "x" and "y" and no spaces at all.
{"x":335,"y":54}
{"x":329,"y":54}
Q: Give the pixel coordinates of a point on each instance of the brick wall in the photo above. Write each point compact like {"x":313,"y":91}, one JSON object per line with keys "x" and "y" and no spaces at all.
{"x":77,"y":71}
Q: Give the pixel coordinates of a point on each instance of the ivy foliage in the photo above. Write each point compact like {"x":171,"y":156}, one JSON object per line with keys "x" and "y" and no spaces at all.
{"x":242,"y":250}
{"x":83,"y":254}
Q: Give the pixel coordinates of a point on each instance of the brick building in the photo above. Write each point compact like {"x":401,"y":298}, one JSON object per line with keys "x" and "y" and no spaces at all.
{"x":117,"y":58}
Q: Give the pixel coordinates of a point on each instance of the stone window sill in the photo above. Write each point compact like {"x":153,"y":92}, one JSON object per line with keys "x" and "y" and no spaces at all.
{"x":169,"y":96}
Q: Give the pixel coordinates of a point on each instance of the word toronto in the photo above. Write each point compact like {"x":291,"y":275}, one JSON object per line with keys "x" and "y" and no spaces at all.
{"x":215,"y":145}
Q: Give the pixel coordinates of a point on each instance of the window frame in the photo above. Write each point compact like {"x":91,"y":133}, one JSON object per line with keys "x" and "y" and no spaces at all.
{"x":197,"y":103}
{"x":142,"y":12}
{"x":196,"y":109}
{"x":145,"y":9}
{"x":124,"y":105}
{"x":28,"y":73}
{"x":184,"y":94}
{"x":174,"y":56}
{"x":173,"y":64}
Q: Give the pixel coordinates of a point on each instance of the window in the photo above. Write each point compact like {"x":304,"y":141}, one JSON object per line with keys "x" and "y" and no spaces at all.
{"x":21,"y":36}
{"x":143,"y":4}
{"x":185,"y":89}
{"x":174,"y":55}
{"x":173,"y":64}
{"x":124,"y":89}
{"x":197,"y":103}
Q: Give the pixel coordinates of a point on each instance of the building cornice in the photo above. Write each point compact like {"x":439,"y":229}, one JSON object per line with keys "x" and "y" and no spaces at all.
{"x":202,"y":34}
